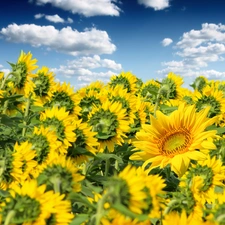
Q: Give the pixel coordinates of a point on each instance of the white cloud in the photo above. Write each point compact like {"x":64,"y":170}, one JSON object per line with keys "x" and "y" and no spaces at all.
{"x":86,"y":7}
{"x":89,"y":69}
{"x":1,"y":66}
{"x":155,"y":4}
{"x":69,"y":20}
{"x":38,"y":16}
{"x":66,"y":40}
{"x":197,"y":49}
{"x":167,"y":41}
{"x":55,"y":18}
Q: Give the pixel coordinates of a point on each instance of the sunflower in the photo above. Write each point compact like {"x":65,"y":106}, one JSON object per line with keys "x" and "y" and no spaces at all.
{"x":154,"y":185}
{"x":176,"y":218}
{"x":61,"y":175}
{"x":65,"y":96}
{"x":127,"y":188}
{"x":23,"y":161}
{"x":175,"y":139}
{"x":174,"y":83}
{"x":149,"y":90}
{"x":21,"y":82}
{"x":89,"y":99}
{"x":209,"y":174}
{"x":30,"y":204}
{"x":85,"y":144}
{"x":199,"y":83}
{"x":44,"y":86}
{"x":110,"y":122}
{"x":210,"y":97}
{"x":59,"y":121}
{"x":128,"y":100}
{"x":126,"y":80}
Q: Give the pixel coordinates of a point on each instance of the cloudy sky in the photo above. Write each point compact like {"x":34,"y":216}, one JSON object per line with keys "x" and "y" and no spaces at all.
{"x":87,"y":40}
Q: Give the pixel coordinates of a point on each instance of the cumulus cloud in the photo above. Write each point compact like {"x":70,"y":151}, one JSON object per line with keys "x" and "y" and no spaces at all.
{"x":197,"y":49}
{"x":86,"y":69}
{"x":66,"y":40}
{"x":155,"y":4}
{"x":86,"y":7}
{"x":167,"y":41}
{"x":53,"y":18}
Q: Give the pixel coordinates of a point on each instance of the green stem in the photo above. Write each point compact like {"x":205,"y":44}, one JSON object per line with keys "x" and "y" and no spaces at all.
{"x":107,"y":165}
{"x":156,"y":104}
{"x":26,"y":114}
{"x":3,"y":82}
{"x":5,"y":106}
{"x":56,"y":183}
{"x":9,"y":216}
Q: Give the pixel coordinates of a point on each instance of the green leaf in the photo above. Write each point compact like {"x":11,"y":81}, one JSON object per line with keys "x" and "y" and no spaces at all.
{"x":220,"y":130}
{"x":76,"y":197}
{"x":79,"y":219}
{"x":106,"y":156}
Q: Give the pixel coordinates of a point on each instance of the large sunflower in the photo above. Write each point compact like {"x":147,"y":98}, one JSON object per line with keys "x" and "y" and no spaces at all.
{"x":110,"y":122}
{"x":175,"y":139}
{"x":30,"y":204}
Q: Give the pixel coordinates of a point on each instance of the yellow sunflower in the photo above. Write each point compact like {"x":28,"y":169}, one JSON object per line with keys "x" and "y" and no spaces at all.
{"x":23,"y":161}
{"x":85,"y":144}
{"x":131,"y":194}
{"x":128,"y":100}
{"x":31,"y":204}
{"x":175,"y":139}
{"x":21,"y":82}
{"x":44,"y":86}
{"x":208,"y":174}
{"x":61,"y":175}
{"x":212,"y":97}
{"x":65,"y":96}
{"x":126,"y":80}
{"x":176,"y":218}
{"x":59,"y":120}
{"x":111,"y":124}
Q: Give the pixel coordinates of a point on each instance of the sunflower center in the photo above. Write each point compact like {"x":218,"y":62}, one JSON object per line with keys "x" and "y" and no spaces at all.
{"x":175,"y":143}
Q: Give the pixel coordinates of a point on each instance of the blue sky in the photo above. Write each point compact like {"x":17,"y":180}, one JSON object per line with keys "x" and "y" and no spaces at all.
{"x":87,"y":40}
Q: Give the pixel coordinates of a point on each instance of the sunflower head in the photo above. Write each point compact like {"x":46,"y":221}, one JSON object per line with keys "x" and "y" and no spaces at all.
{"x":61,"y":175}
{"x":175,"y":139}
{"x":199,"y":83}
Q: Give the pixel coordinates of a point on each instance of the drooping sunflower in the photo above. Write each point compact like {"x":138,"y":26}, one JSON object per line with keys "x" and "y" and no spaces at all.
{"x":44,"y":86}
{"x":175,"y":139}
{"x":126,"y":80}
{"x":30,"y":204}
{"x":65,"y":96}
{"x":85,"y":144}
{"x":59,"y":121}
{"x":61,"y":175}
{"x":22,"y":71}
{"x":208,"y":174}
{"x":111,"y":124}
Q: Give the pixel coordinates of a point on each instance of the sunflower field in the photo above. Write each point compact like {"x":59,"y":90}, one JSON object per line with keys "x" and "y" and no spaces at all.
{"x":123,"y":153}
